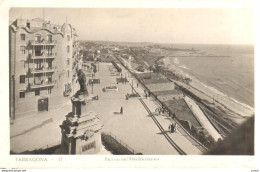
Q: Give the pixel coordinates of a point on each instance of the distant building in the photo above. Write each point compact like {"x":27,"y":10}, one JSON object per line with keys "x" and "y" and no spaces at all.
{"x":41,"y":65}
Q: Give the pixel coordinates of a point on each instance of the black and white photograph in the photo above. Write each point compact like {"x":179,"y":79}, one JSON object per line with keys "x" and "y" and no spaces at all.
{"x":130,"y":81}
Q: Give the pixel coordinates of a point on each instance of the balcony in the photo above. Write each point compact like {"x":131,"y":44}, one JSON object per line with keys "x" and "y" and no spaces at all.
{"x":43,"y":42}
{"x":41,"y":85}
{"x":41,"y":70}
{"x":42,"y":56}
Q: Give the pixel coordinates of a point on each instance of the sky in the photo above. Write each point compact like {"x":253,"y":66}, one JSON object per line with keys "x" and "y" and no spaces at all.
{"x":158,"y":25}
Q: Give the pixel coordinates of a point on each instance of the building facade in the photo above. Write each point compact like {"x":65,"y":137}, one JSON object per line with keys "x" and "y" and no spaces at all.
{"x":41,"y":65}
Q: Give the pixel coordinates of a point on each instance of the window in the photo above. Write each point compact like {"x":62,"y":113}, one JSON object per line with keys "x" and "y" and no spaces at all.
{"x":49,"y":79}
{"x":38,"y":65}
{"x":38,"y":50}
{"x":22,"y":37}
{"x":68,"y":49}
{"x":68,"y":73}
{"x":22,"y":49}
{"x":28,"y":25}
{"x":22,"y":94}
{"x":67,"y":89}
{"x":22,"y":78}
{"x":49,"y":65}
{"x":49,"y":50}
{"x":68,"y":37}
{"x":37,"y":38}
{"x":37,"y":92}
{"x":68,"y":61}
{"x":49,"y":90}
{"x":49,"y":38}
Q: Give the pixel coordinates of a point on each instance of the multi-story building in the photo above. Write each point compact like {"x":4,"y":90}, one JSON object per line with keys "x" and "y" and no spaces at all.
{"x":77,"y":61}
{"x":41,"y":65}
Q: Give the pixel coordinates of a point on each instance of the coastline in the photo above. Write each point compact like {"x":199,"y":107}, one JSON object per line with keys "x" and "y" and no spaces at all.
{"x":213,"y":94}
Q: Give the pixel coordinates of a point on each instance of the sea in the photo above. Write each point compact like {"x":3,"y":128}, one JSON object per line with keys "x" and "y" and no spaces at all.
{"x":229,"y":72}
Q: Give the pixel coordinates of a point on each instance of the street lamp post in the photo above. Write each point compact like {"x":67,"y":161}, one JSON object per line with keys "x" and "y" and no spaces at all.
{"x":125,"y":77}
{"x":150,"y":72}
{"x":132,"y":86}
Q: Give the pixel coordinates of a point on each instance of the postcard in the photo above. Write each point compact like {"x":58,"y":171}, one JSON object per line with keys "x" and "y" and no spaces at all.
{"x":136,"y":85}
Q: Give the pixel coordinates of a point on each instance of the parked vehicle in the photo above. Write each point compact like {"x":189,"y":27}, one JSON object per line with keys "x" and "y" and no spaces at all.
{"x":110,"y":88}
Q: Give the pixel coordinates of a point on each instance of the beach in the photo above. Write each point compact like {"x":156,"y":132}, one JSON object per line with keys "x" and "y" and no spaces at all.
{"x":211,"y":94}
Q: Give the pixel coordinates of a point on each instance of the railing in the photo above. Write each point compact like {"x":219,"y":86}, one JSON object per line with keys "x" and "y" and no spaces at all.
{"x":41,"y":70}
{"x":42,"y":56}
{"x":122,"y":143}
{"x":41,"y":84}
{"x":43,"y":42}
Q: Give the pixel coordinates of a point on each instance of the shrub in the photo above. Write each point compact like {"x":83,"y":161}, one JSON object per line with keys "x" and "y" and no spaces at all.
{"x":114,"y":146}
{"x":203,"y":137}
{"x":116,"y":66}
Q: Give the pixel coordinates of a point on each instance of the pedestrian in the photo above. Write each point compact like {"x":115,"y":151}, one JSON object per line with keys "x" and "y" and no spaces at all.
{"x":137,"y":85}
{"x":172,"y":128}
{"x":173,"y":115}
{"x":169,"y":128}
{"x":121,"y":110}
{"x":145,"y":95}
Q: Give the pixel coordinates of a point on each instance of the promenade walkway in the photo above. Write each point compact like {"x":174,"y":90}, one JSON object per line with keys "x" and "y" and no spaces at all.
{"x":134,"y":127}
{"x":188,"y":145}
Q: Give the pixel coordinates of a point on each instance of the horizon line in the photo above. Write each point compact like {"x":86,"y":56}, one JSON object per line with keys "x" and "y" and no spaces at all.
{"x":165,"y":42}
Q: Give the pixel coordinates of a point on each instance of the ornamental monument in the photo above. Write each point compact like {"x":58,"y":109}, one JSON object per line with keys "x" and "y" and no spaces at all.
{"x":81,"y":131}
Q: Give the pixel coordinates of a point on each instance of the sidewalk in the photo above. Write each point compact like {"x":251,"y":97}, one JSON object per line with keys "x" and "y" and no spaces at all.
{"x":184,"y":143}
{"x":39,"y":130}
